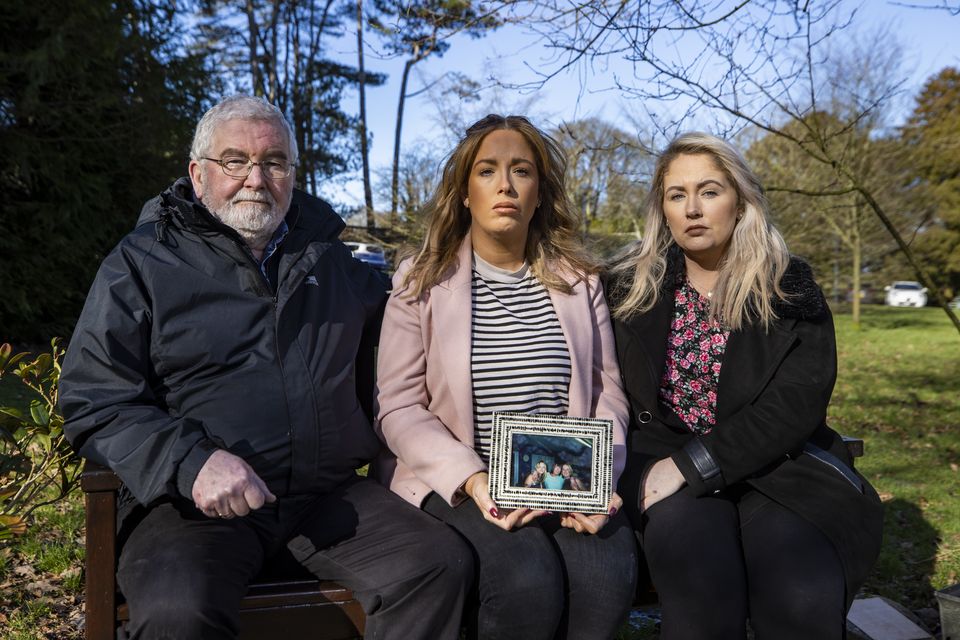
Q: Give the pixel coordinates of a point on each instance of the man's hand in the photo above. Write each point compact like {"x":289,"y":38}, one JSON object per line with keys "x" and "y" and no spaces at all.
{"x":662,"y":480}
{"x":227,"y":486}
{"x":476,"y":488}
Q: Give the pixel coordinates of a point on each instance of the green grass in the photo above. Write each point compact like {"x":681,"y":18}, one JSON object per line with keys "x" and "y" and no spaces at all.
{"x":41,"y":575}
{"x":898,"y":384}
{"x":24,"y":622}
{"x":41,"y":578}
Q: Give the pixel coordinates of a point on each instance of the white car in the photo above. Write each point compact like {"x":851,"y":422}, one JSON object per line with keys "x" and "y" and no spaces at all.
{"x":906,"y":293}
{"x":372,"y":254}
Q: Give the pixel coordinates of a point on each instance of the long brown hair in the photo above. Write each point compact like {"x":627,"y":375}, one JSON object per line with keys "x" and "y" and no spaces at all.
{"x":553,"y":234}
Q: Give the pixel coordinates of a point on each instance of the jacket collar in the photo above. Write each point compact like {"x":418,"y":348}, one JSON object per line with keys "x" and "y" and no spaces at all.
{"x":178,"y":204}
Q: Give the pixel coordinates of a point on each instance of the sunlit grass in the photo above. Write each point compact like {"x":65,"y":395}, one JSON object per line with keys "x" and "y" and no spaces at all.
{"x":899,"y":389}
{"x":43,"y":571}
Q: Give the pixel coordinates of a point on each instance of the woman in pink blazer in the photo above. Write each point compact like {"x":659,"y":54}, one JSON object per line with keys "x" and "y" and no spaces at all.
{"x":501,"y":309}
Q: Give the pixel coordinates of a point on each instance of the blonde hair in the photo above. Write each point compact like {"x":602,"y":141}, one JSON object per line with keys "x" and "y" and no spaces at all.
{"x":750,"y":270}
{"x":553,"y":234}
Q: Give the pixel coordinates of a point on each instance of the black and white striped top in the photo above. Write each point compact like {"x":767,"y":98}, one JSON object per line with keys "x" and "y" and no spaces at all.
{"x":518,"y":357}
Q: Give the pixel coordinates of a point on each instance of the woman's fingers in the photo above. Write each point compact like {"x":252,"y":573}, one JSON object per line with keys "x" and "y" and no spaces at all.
{"x":529,"y":515}
{"x":583,"y":523}
{"x":476,"y":488}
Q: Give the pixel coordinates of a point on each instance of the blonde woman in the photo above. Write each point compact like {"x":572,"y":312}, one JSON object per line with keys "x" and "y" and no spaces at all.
{"x":746,"y":501}
{"x":570,"y":481}
{"x":501,"y":309}
{"x":537,"y":475}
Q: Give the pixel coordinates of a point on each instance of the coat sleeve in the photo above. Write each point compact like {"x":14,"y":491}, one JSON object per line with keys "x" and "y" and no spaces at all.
{"x":777,"y":422}
{"x":410,"y":429}
{"x":112,"y":414}
{"x":609,"y":400}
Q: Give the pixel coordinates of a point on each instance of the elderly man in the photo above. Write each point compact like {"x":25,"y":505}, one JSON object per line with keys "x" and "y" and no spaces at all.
{"x":218,"y":369}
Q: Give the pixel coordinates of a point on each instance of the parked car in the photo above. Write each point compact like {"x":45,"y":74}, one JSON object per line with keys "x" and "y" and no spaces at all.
{"x":372,"y":254}
{"x":906,"y":293}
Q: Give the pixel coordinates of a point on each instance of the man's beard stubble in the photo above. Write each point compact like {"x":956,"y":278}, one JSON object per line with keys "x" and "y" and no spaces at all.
{"x":252,"y":221}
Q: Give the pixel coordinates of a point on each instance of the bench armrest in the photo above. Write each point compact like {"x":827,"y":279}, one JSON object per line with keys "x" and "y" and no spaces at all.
{"x":854,"y":446}
{"x":100,"y":487}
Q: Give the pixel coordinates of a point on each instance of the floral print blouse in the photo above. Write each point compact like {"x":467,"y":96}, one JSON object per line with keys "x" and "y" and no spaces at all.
{"x":695,"y":349}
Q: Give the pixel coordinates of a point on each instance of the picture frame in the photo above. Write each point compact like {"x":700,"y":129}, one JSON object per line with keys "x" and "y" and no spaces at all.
{"x":523,"y":444}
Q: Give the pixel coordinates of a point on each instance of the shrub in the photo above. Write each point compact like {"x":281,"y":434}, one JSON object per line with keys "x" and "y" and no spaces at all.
{"x":37,"y":464}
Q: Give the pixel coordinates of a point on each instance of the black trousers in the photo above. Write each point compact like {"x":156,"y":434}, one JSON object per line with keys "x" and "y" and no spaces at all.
{"x":543,"y":581}
{"x":183,"y":574}
{"x":718,"y":560}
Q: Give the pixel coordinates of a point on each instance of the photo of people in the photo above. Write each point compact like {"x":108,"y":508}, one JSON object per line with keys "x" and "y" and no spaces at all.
{"x":554,"y":463}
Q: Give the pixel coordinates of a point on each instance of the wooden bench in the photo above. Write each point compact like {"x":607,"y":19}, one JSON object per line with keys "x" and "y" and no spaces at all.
{"x":308,"y":607}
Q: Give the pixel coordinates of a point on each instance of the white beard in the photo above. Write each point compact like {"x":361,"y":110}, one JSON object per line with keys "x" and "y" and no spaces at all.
{"x":254,"y":222}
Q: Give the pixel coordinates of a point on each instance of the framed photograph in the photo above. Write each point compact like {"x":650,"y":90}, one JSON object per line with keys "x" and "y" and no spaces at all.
{"x":557,"y":463}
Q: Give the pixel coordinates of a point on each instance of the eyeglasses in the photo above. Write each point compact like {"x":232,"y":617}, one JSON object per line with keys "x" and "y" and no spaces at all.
{"x":241,"y":167}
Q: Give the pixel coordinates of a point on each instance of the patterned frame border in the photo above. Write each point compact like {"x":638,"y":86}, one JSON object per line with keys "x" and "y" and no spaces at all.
{"x":594,"y":501}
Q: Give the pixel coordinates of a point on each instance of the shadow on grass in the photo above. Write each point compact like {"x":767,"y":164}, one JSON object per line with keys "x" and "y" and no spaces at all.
{"x":906,"y":563}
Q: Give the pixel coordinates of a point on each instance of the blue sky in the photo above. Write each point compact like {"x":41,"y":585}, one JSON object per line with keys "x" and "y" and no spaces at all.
{"x":927,"y":39}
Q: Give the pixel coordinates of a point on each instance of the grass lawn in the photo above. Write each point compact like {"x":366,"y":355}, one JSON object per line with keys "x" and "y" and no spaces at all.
{"x":898,"y":389}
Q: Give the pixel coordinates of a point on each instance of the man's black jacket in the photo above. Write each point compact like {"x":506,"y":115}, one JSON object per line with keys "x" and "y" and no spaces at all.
{"x":183,"y":347}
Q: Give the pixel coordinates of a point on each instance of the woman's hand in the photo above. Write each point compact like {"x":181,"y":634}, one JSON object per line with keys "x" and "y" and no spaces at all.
{"x":476,"y":489}
{"x":661,"y":481}
{"x":583,"y":523}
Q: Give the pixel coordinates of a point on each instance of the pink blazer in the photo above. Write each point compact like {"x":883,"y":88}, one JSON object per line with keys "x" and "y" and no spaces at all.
{"x":425,"y":396}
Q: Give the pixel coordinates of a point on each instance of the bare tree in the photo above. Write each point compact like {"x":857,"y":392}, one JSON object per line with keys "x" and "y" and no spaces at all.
{"x":364,"y":151}
{"x":284,"y":58}
{"x":866,"y":69}
{"x":759,"y":63}
{"x":418,"y":30}
{"x":953,"y":8}
{"x":606,"y":170}
{"x":457,"y":101}
{"x":819,"y":216}
{"x":419,"y":175}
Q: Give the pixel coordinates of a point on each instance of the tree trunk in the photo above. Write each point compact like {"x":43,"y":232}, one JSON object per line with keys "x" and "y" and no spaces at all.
{"x":273,"y":80}
{"x":905,"y":248}
{"x":253,"y":35}
{"x":857,"y":251}
{"x":836,"y":270}
{"x":395,"y":184}
{"x":364,"y":152}
{"x":587,"y":213}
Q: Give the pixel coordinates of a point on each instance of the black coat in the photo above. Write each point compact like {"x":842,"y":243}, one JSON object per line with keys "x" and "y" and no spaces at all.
{"x":184,"y":347}
{"x":772,"y":398}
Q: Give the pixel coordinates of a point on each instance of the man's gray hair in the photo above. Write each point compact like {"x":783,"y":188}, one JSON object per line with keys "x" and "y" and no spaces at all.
{"x":239,"y":107}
